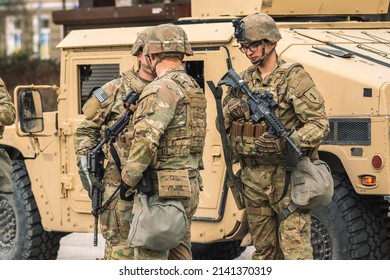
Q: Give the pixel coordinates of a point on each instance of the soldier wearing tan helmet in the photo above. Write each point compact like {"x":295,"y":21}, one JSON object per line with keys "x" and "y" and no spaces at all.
{"x":102,"y":109}
{"x":169,"y":135}
{"x":7,"y":117}
{"x":262,"y":155}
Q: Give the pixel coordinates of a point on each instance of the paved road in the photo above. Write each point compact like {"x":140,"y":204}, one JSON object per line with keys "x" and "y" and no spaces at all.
{"x":79,"y":246}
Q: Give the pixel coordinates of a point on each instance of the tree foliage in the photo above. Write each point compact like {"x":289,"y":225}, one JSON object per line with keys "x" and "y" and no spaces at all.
{"x":21,"y":69}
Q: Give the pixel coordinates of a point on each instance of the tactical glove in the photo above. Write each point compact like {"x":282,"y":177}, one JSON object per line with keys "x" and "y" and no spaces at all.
{"x":237,"y":108}
{"x":268,"y":143}
{"x":88,"y":180}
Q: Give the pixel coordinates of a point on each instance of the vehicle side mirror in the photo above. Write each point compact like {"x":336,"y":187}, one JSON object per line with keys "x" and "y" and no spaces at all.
{"x":30,"y":111}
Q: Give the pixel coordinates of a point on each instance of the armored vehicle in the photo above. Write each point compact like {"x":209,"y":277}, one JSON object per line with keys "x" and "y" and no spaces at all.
{"x":348,"y":58}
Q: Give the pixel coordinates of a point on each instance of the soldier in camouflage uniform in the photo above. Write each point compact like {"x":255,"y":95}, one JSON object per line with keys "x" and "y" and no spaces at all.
{"x":7,"y":117}
{"x":170,"y":129}
{"x":116,"y":218}
{"x":262,"y":155}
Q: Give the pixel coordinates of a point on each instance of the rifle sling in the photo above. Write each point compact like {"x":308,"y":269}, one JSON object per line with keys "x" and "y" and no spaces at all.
{"x":291,"y":162}
{"x":225,"y":148}
{"x":286,"y":183}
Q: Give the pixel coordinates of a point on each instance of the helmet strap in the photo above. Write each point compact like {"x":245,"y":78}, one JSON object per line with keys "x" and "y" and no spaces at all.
{"x":264,"y":57}
{"x":150,"y":65}
{"x":144,"y":66}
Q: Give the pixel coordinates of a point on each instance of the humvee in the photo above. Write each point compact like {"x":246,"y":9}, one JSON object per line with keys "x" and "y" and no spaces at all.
{"x":348,"y":58}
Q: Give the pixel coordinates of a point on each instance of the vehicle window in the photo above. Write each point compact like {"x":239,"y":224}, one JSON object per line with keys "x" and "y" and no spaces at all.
{"x":92,"y":76}
{"x":196,"y":70}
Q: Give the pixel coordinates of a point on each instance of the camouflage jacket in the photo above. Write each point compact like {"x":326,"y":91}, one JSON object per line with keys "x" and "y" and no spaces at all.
{"x":169,"y":124}
{"x":300,"y":106}
{"x":100,"y":115}
{"x":7,"y":109}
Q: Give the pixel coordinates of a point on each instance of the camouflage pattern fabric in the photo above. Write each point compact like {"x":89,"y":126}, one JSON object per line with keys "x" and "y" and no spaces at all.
{"x":92,"y":128}
{"x":7,"y":109}
{"x":162,"y":110}
{"x":7,"y":117}
{"x":161,"y":116}
{"x":288,"y":240}
{"x":167,"y":39}
{"x":115,"y":220}
{"x":300,"y":106}
{"x":183,"y":251}
{"x":256,"y":27}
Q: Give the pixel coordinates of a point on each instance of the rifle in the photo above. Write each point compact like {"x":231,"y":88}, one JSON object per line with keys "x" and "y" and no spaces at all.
{"x":262,"y":107}
{"x":95,"y":159}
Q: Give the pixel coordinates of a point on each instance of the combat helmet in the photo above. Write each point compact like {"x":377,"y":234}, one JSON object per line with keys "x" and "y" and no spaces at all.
{"x":139,"y":43}
{"x":256,"y":27}
{"x":167,"y":38}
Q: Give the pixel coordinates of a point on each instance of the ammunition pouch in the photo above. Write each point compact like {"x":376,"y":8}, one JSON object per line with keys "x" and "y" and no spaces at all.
{"x":173,"y":184}
{"x":243,"y":136}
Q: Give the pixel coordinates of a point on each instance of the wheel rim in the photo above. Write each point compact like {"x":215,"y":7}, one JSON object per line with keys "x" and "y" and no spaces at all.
{"x":320,"y":240}
{"x":7,"y":226}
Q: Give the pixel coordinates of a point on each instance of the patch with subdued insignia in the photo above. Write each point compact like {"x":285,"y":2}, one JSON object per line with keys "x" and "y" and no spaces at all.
{"x":100,"y":95}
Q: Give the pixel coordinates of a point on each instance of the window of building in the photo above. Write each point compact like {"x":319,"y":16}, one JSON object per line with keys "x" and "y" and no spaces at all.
{"x":13,"y":33}
{"x":41,"y":37}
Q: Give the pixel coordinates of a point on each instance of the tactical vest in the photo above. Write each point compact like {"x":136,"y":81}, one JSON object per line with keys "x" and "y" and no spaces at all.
{"x":243,"y":133}
{"x":183,"y":139}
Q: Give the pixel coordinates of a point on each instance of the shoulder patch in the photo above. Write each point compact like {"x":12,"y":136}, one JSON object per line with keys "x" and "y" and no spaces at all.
{"x":100,"y":95}
{"x":287,"y":67}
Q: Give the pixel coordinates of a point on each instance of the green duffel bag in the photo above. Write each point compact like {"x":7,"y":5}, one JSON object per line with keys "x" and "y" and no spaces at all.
{"x":312,"y":184}
{"x":158,"y":224}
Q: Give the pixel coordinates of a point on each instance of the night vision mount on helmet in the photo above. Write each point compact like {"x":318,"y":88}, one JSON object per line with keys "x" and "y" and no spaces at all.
{"x":256,"y":27}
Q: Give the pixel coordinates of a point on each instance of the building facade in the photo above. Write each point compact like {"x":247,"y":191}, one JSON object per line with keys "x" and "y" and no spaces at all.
{"x":27,"y":25}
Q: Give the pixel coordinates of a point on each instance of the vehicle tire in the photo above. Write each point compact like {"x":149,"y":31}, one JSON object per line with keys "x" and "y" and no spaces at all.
{"x":22,"y":236}
{"x":227,"y":250}
{"x":351,"y":227}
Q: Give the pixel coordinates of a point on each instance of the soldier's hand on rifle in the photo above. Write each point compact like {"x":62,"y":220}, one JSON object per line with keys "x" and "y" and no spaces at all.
{"x":88,"y":180}
{"x":237,"y":108}
{"x":234,"y":110}
{"x":268,"y":143}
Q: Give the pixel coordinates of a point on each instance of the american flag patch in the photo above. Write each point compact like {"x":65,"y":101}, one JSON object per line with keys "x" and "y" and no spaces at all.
{"x":100,"y":95}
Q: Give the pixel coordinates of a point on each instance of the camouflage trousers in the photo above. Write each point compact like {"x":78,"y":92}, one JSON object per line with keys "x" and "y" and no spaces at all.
{"x":5,"y":172}
{"x":288,"y":239}
{"x":116,"y":218}
{"x":183,"y":250}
